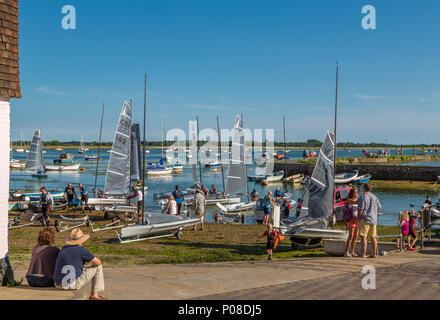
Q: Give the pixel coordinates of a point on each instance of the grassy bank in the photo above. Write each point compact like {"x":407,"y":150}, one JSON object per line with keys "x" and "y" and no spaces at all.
{"x":217,"y":243}
{"x":413,"y":186}
{"x":391,"y":160}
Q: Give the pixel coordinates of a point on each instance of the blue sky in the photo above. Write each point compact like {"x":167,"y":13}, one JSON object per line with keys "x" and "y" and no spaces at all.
{"x":208,"y":58}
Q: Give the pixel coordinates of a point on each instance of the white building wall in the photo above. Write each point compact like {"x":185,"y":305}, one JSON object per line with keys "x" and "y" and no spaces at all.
{"x":4,"y":173}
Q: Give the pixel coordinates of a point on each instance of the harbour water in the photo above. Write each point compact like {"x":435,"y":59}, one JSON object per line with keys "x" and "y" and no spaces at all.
{"x":22,"y":180}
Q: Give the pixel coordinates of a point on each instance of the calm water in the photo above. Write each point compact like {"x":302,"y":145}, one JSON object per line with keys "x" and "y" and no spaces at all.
{"x":22,"y":180}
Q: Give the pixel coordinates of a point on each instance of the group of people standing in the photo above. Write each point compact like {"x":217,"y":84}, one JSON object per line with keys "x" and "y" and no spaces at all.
{"x":265,"y":203}
{"x":175,"y":202}
{"x":46,"y":203}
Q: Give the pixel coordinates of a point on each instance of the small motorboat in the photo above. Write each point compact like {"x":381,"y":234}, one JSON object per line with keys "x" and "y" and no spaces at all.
{"x":296,"y":178}
{"x":176,"y":166}
{"x":346,"y":177}
{"x":158,"y":170}
{"x":213,"y":164}
{"x":17,"y":164}
{"x":274,"y":177}
{"x":362,"y":179}
{"x":39,"y":174}
{"x":73,"y":167}
{"x":257,"y":178}
{"x":91,"y":158}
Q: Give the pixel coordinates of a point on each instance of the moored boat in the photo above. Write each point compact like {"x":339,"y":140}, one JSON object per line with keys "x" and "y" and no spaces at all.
{"x":346,"y":177}
{"x":73,"y":167}
{"x":362,"y":179}
{"x":274,"y":177}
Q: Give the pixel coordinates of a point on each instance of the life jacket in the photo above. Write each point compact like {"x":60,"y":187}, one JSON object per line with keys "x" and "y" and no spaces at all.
{"x":278,"y":237}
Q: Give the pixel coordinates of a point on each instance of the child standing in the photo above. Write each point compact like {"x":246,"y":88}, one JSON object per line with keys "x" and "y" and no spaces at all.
{"x":412,"y":230}
{"x":270,"y":244}
{"x":404,"y":227}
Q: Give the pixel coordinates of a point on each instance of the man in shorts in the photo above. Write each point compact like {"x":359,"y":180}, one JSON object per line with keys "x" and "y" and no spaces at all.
{"x":179,"y":197}
{"x":368,"y":210}
{"x":84,"y":197}
{"x":199,"y":208}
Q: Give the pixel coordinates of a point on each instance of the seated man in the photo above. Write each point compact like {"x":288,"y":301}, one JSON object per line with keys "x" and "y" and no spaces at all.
{"x":70,"y":272}
{"x":278,"y":193}
{"x":44,"y":257}
{"x":205,"y":190}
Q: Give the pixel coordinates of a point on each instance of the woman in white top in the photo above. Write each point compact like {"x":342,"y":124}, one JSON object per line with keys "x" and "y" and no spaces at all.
{"x":171,"y":207}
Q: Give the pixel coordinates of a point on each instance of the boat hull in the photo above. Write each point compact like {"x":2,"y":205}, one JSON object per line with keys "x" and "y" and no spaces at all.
{"x":157,"y":224}
{"x":74,"y":167}
{"x":336,"y":248}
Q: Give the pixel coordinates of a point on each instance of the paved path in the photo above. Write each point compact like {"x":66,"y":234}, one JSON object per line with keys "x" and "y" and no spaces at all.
{"x":399,"y":276}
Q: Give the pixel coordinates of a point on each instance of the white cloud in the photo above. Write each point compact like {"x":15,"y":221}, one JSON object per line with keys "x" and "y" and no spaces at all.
{"x":372,"y":97}
{"x":52,"y":91}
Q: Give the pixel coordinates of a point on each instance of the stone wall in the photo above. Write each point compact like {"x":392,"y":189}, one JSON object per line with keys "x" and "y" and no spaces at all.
{"x":378,"y":172}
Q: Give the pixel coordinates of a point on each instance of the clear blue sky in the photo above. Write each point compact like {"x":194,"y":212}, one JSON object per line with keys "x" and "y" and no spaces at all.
{"x":208,"y":58}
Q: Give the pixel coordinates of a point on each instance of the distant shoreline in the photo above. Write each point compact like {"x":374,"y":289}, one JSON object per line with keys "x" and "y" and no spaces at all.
{"x":276,"y":147}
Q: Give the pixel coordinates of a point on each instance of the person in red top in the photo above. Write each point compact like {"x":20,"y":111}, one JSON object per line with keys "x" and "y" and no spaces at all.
{"x":352,"y":224}
{"x":412,"y":230}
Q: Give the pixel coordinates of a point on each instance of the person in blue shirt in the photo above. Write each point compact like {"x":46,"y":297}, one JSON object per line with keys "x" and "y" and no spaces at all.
{"x":267,"y":203}
{"x":179,"y":197}
{"x":84,"y":197}
{"x":71,"y":272}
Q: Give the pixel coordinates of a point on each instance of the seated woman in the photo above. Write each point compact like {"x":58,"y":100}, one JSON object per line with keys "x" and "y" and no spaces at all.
{"x":44,"y":256}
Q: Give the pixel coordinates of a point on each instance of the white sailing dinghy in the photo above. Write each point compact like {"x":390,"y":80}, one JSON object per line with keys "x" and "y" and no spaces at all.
{"x":236,"y":181}
{"x":34,"y":160}
{"x":312,"y":225}
{"x":117,"y":179}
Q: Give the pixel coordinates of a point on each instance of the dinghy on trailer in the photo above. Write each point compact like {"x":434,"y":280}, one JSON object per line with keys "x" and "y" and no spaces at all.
{"x":316,"y":215}
{"x":156,"y":225}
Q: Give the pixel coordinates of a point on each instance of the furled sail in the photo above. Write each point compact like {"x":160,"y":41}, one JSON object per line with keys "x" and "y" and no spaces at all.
{"x":135,"y":153}
{"x":117,"y":180}
{"x":193,"y":150}
{"x":34,"y":160}
{"x":236,"y":181}
{"x":318,"y":199}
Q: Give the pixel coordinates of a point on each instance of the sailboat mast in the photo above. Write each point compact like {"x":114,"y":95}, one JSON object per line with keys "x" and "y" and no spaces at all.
{"x":285,"y":153}
{"x":220,"y":150}
{"x":99,"y":149}
{"x":161,"y":126}
{"x":143,"y":144}
{"x":198,"y":152}
{"x":335,"y":142}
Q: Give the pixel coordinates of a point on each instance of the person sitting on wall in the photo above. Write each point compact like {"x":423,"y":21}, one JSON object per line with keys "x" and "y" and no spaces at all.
{"x":44,"y":257}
